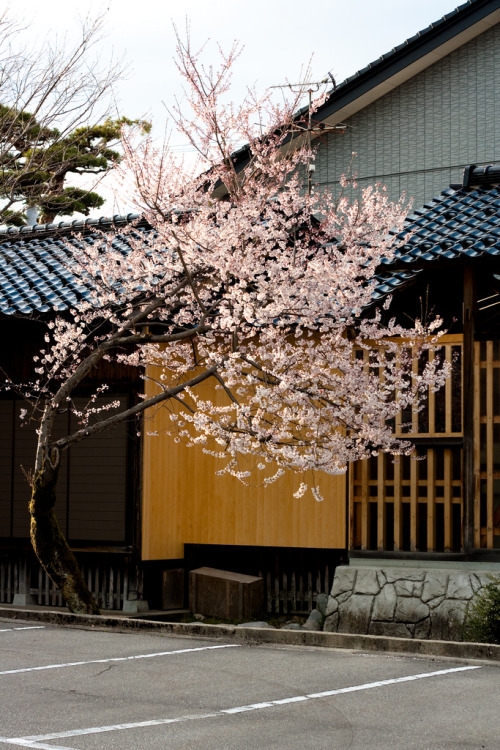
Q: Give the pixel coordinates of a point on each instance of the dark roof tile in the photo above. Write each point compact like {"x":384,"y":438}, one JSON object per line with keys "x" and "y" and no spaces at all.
{"x":458,"y":223}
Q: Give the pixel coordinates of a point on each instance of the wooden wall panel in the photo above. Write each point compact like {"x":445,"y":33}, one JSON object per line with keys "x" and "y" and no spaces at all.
{"x":92,"y":483}
{"x":24,"y":460}
{"x":98,"y":484}
{"x":185,"y":502}
{"x":487,"y":453}
{"x":6,"y":448}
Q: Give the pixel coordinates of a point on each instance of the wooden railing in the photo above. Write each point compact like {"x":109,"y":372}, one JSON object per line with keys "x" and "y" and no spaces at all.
{"x":290,"y":591}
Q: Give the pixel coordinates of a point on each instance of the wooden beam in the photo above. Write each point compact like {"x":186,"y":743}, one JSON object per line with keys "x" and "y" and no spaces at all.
{"x":431,"y":501}
{"x":381,"y":490}
{"x":398,"y":515}
{"x":489,"y":445}
{"x":365,"y":500}
{"x":477,"y":445}
{"x":413,"y":504}
{"x":469,"y":324}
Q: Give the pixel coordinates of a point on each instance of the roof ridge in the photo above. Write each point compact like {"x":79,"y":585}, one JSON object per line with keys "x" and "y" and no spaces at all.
{"x":39,"y":230}
{"x":418,"y":35}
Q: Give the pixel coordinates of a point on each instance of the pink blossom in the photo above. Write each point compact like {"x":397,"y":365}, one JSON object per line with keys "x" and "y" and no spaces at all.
{"x":249,"y":292}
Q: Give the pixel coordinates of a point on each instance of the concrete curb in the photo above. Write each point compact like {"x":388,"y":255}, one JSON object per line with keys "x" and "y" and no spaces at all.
{"x":350,"y":641}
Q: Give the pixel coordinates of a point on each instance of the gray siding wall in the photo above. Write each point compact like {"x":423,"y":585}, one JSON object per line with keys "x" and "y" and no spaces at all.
{"x":419,"y":137}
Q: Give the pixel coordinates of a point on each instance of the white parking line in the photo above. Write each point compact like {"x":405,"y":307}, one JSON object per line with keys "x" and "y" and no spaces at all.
{"x":27,"y":627}
{"x":117,"y":658}
{"x":37,"y":745}
{"x":39,"y":741}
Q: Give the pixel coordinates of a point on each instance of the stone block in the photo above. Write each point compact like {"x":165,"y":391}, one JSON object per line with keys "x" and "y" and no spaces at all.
{"x":410,"y":610}
{"x":135,"y":606}
{"x":226,"y":595}
{"x":385,"y":604}
{"x":389,"y":629}
{"x":433,"y":603}
{"x":381,"y":578}
{"x":24,"y":600}
{"x":422,"y":629}
{"x":332,"y":606}
{"x":478,"y":581}
{"x":314,"y":621}
{"x":459,"y":586}
{"x":355,"y":614}
{"x":435,"y":585}
{"x":322,"y":603}
{"x":408,"y":588}
{"x":404,"y":574}
{"x":331,"y":623}
{"x":366,"y":582}
{"x":447,"y":619}
{"x":341,"y":598}
{"x":343,"y":581}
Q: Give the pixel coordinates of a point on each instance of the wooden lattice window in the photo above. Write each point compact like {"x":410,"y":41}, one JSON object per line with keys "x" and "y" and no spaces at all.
{"x":441,"y":415}
{"x":408,"y":503}
{"x":487,"y":447}
{"x":415,"y":502}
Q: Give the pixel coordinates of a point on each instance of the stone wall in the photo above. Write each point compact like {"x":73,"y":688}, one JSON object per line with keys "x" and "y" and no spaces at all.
{"x":405,"y":602}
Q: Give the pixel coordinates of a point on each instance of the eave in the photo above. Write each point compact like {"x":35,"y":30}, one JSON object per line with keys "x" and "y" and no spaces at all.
{"x":408,"y":59}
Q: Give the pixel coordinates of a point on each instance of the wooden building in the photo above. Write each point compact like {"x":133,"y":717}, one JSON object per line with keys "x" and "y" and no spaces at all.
{"x":448,"y":503}
{"x":133,"y":508}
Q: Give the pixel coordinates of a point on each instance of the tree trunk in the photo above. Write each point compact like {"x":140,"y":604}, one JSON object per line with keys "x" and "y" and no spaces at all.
{"x":51,"y":547}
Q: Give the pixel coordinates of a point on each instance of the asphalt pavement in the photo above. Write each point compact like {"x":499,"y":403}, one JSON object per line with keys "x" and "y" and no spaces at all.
{"x":87,"y":689}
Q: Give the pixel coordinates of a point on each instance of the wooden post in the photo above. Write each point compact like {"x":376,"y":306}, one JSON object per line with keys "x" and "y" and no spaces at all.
{"x":477,"y":444}
{"x":469,"y":324}
{"x":23,"y":597}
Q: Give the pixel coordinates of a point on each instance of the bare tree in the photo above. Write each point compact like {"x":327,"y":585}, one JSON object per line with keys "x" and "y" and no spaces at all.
{"x":55,"y":118}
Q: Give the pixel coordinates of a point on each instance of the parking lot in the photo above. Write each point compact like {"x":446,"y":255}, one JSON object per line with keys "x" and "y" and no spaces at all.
{"x":82,"y":690}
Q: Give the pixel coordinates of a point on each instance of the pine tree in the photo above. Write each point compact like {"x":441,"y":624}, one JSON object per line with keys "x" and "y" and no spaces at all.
{"x":37,"y":162}
{"x":55,"y":122}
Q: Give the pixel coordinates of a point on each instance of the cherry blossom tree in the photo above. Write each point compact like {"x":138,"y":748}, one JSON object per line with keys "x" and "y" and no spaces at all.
{"x":247,"y":281}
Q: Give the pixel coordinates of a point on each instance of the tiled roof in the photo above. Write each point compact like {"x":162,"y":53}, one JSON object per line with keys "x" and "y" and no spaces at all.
{"x":461,"y":222}
{"x":34,"y":275}
{"x":457,"y":223}
{"x":432,"y":30}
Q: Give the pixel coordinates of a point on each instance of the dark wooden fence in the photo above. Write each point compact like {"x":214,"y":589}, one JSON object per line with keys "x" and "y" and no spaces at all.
{"x":20,"y":575}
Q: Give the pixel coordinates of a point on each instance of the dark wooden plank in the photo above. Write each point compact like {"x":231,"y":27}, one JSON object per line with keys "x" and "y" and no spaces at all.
{"x":469,"y":324}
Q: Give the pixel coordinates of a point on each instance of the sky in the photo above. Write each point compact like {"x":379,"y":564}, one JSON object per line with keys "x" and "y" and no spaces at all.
{"x":279,"y":39}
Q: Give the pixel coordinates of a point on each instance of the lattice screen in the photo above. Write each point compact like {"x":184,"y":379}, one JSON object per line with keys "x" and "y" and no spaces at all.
{"x":415,"y":503}
{"x":487,"y":445}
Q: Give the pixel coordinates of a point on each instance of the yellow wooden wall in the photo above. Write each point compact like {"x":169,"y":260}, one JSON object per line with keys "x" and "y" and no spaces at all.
{"x":185,"y":502}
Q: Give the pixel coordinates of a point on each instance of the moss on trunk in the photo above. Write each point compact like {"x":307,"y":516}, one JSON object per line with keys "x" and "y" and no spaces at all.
{"x":51,"y":547}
